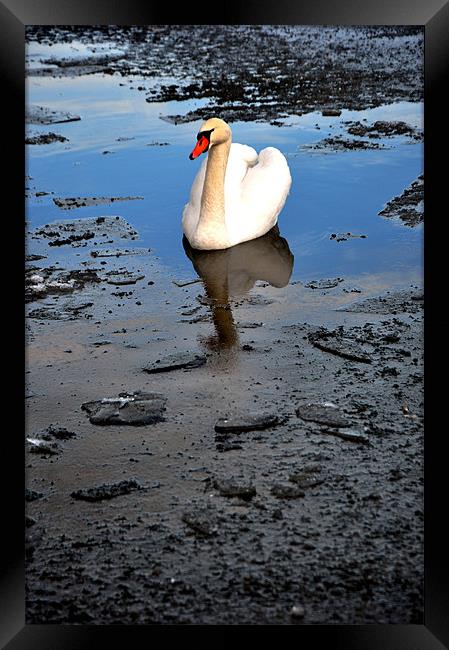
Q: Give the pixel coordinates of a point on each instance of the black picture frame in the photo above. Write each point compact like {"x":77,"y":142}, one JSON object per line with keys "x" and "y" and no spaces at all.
{"x":434,"y":16}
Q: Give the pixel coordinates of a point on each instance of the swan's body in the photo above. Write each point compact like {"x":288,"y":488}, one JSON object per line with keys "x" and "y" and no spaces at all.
{"x":237,"y":194}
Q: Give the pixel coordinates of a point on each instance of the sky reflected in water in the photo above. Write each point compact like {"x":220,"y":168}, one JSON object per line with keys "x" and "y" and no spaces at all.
{"x":334,"y":192}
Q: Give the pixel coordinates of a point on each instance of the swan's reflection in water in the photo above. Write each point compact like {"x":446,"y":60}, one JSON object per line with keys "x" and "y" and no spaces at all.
{"x":229,"y":274}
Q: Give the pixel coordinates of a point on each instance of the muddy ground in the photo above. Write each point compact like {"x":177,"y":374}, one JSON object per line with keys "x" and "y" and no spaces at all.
{"x":198,"y":457}
{"x":309,"y":496}
{"x":253,"y":72}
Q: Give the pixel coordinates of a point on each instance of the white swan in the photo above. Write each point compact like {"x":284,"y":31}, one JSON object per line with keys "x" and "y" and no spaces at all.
{"x":237,"y":195}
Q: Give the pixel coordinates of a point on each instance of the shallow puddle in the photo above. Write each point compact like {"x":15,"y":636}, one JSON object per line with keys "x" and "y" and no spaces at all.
{"x":122,"y":147}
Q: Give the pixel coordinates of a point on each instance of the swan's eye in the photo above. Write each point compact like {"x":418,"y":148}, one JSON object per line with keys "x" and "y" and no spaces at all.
{"x":205,"y":134}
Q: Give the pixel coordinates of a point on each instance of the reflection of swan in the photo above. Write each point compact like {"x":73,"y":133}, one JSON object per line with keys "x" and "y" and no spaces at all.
{"x":237,"y":195}
{"x":232,"y":272}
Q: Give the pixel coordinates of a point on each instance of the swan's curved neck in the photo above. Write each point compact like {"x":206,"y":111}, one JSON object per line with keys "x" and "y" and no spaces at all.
{"x":212,"y":210}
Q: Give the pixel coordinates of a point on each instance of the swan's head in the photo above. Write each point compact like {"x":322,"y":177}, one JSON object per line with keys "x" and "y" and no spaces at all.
{"x":213,"y":131}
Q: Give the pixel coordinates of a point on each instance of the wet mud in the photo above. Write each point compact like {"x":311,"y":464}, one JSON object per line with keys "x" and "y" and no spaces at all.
{"x":78,"y":202}
{"x":342,"y":144}
{"x":102,"y":492}
{"x":309,"y":68}
{"x":43,"y":115}
{"x":248,"y":514}
{"x":46,"y":138}
{"x":408,"y":207}
{"x":382,"y":129}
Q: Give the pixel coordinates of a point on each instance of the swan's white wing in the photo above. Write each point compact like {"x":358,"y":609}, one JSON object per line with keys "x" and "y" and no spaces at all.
{"x":263,"y":192}
{"x":241,"y":158}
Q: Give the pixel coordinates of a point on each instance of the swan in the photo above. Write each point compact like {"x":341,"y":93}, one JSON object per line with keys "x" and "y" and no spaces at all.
{"x":237,"y":195}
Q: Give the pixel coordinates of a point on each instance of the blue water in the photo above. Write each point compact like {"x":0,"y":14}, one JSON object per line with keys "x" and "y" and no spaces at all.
{"x":331,"y":192}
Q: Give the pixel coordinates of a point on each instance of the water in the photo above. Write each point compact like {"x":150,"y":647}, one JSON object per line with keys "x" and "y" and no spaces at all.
{"x":331,"y":192}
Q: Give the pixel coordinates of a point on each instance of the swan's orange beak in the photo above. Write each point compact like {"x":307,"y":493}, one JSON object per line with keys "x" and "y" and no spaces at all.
{"x":201,"y":146}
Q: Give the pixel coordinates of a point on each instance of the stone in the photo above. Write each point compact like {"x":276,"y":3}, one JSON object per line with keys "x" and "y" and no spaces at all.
{"x":44,"y":115}
{"x":352,"y":435}
{"x":322,"y":414}
{"x":132,"y":409}
{"x":77,"y":202}
{"x":282,"y":491}
{"x":297,"y":611}
{"x":306,"y":479}
{"x":231,"y":487}
{"x":247,"y":422}
{"x":336,"y":343}
{"x":107,"y":491}
{"x":331,"y":112}
{"x":44,"y":447}
{"x":60,"y":433}
{"x":75,"y":231}
{"x":119,"y":252}
{"x":120,"y":278}
{"x":45,"y":138}
{"x":201,"y":522}
{"x":176,"y":361}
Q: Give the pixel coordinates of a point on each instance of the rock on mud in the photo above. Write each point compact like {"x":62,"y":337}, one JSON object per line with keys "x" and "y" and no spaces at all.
{"x":43,"y":447}
{"x":107,"y":491}
{"x":43,"y":115}
{"x":46,"y":442}
{"x":60,"y":433}
{"x":132,"y":409}
{"x":201,"y":522}
{"x":177,"y":361}
{"x":297,"y":611}
{"x":282,"y":491}
{"x":67,"y":312}
{"x":248,"y":325}
{"x":95,"y":61}
{"x":232,"y":487}
{"x":344,"y":236}
{"x":353,"y":435}
{"x":247,"y":422}
{"x":119,"y":252}
{"x":408,"y":206}
{"x":88,"y":201}
{"x":322,"y":414}
{"x":45,"y":138}
{"x":120,"y":278}
{"x":46,"y":282}
{"x":74,"y":231}
{"x":309,"y":476}
{"x":342,"y":144}
{"x":331,"y":112}
{"x":38,"y":286}
{"x":336,"y":342}
{"x":383,"y":128}
{"x":34,"y":258}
